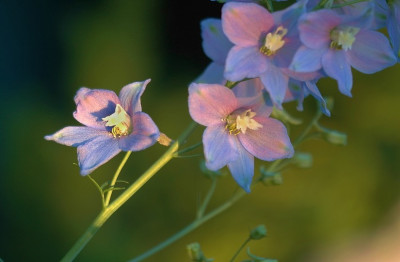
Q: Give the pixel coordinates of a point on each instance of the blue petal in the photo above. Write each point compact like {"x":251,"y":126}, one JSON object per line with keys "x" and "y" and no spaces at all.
{"x":307,"y":59}
{"x":130,"y":96}
{"x":336,"y":66}
{"x":371,"y":52}
{"x":243,"y":169}
{"x":96,"y":152}
{"x":245,"y":62}
{"x":314,"y":91}
{"x":75,"y":135}
{"x":144,"y":134}
{"x":215,"y":44}
{"x":220,"y":147}
{"x":214,"y":74}
{"x":276,"y":84}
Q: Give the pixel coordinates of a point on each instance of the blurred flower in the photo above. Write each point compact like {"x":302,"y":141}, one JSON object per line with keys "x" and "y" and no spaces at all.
{"x":238,"y":129}
{"x":112,"y":124}
{"x":264,"y":44}
{"x":336,"y":42}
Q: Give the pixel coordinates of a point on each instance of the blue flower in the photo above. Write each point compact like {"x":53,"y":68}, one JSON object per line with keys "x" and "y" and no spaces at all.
{"x":112,"y":124}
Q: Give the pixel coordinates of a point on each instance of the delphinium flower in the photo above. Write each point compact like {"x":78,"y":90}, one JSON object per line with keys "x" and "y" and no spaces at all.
{"x":112,"y":124}
{"x":336,"y":43}
{"x":238,"y":129}
{"x":264,"y":44}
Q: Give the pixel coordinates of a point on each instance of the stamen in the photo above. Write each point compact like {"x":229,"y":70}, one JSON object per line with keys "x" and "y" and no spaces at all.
{"x":343,"y":38}
{"x":240,"y":123}
{"x":120,"y":121}
{"x":274,"y":41}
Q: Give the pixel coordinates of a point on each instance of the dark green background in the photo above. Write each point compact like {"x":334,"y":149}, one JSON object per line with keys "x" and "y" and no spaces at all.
{"x":49,"y":49}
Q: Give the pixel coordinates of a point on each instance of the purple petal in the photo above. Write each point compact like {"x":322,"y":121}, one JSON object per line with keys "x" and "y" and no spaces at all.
{"x":208,"y":104}
{"x":130,"y":96}
{"x":268,"y":143}
{"x":97,"y":152}
{"x":214,"y":74}
{"x":393,"y":27}
{"x":371,"y":52}
{"x":244,"y":23}
{"x":215,"y":44}
{"x":242,"y":169}
{"x":276,"y":84}
{"x":307,"y":59}
{"x":220,"y":148}
{"x":315,"y":28}
{"x":93,"y":105}
{"x":144,"y":134}
{"x":75,"y":135}
{"x":336,"y":66}
{"x":245,"y":62}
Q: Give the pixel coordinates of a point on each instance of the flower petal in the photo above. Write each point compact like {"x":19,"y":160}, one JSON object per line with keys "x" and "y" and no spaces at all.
{"x":315,"y":28}
{"x":214,"y":74}
{"x":276,"y":83}
{"x":220,"y":148}
{"x":371,"y":52}
{"x":314,"y":91}
{"x":307,"y":59}
{"x":208,"y":104}
{"x":144,"y":134}
{"x":75,"y":135}
{"x":268,"y":143}
{"x":242,"y":169}
{"x":245,"y":62}
{"x":336,"y":66}
{"x":244,"y":23}
{"x":215,"y":44}
{"x":96,"y":152}
{"x":94,"y":104}
{"x":130,"y":96}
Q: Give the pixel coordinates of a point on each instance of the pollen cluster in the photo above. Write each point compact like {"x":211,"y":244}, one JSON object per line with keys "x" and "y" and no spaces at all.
{"x":120,"y":121}
{"x":236,"y":124}
{"x":274,"y":41}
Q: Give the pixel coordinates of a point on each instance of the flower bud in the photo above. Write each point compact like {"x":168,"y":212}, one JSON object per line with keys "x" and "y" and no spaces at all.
{"x":285,"y":117}
{"x":335,"y":137}
{"x":195,"y":253}
{"x":303,"y":160}
{"x":164,"y":140}
{"x":259,"y":232}
{"x":270,"y":178}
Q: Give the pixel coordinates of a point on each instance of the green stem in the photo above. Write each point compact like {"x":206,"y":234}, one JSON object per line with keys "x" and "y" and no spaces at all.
{"x":240,"y":249}
{"x":192,"y":226}
{"x":207,"y":199}
{"x":115,"y":177}
{"x":100,"y":190}
{"x":128,"y":193}
{"x":305,"y":132}
{"x":189,"y":148}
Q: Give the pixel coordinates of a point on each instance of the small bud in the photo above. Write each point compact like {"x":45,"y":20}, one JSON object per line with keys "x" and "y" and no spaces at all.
{"x":303,"y":160}
{"x":335,"y":137}
{"x":258,"y":232}
{"x":270,"y":178}
{"x":195,"y":253}
{"x":285,"y":117}
{"x":164,"y":140}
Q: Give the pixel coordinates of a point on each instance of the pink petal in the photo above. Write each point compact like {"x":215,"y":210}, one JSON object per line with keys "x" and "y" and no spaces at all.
{"x":245,"y":23}
{"x":208,"y":104}
{"x":130,"y":96}
{"x":268,"y":143}
{"x":93,"y":105}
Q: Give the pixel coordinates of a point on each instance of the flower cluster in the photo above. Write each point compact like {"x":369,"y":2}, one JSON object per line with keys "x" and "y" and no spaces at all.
{"x":279,"y":57}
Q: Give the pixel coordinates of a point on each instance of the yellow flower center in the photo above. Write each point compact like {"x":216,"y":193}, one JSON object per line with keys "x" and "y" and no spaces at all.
{"x":274,"y":41}
{"x":343,"y":38}
{"x":236,"y":124}
{"x":120,"y":121}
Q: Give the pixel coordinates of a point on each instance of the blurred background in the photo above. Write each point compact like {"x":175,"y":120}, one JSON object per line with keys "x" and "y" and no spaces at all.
{"x":344,"y":206}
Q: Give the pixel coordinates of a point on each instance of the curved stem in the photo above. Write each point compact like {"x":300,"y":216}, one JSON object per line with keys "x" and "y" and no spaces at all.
{"x":115,"y":177}
{"x":240,"y":249}
{"x":207,"y":199}
{"x":128,"y":193}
